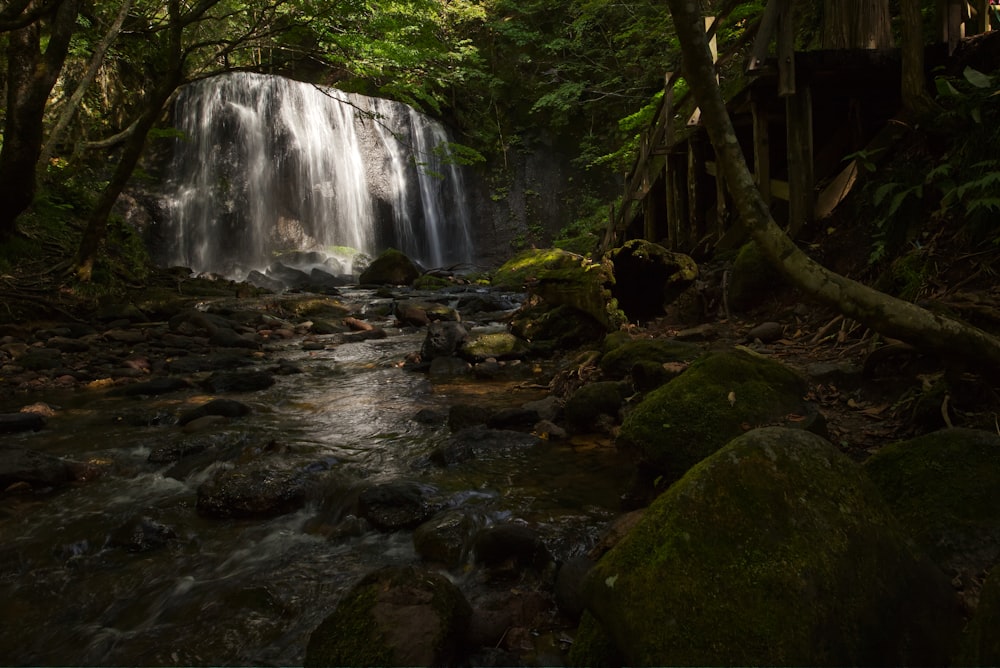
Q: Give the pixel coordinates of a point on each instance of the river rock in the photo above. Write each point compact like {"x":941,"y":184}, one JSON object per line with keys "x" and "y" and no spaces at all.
{"x":584,"y":408}
{"x":390,"y":268}
{"x":154,"y":387}
{"x":448,"y":366}
{"x":211,"y":362}
{"x":11,"y":423}
{"x":396,"y":505}
{"x":548,"y":408}
{"x":396,"y":616}
{"x":444,"y":539}
{"x":255,"y":490}
{"x":511,"y":546}
{"x":481,"y":346}
{"x":443,"y":339}
{"x":238,"y":381}
{"x":559,"y":327}
{"x":141,"y":534}
{"x":37,"y":469}
{"x":775,"y":550}
{"x":40,"y":359}
{"x":719,"y":397}
{"x":945,"y":489}
{"x":517,"y":418}
{"x":481,"y":442}
{"x":462,"y":416}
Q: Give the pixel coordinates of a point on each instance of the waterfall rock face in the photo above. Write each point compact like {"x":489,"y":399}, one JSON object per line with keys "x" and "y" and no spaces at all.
{"x":266,"y":165}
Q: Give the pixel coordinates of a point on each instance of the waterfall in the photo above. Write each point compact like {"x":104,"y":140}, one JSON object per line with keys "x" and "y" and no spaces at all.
{"x":266,"y":164}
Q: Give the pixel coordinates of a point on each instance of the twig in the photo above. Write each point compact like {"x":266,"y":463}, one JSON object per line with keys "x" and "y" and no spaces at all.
{"x":825,"y":328}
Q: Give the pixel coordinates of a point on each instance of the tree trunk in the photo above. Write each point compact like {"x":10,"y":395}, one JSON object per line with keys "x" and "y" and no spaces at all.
{"x":96,"y":60}
{"x":917,"y":102}
{"x":928,"y":332}
{"x":857,"y":24}
{"x":31,"y":74}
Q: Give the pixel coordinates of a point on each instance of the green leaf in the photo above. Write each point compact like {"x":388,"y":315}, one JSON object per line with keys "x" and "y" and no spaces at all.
{"x":977,"y":78}
{"x":944,"y":87}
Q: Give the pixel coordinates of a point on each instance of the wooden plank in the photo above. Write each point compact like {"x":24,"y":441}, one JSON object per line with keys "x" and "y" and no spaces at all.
{"x":801,"y":200}
{"x":786,"y":51}
{"x":720,"y":205}
{"x":982,"y":15}
{"x":695,"y":227}
{"x":779,"y":189}
{"x":762,"y":43}
{"x":713,"y":46}
{"x":761,"y":151}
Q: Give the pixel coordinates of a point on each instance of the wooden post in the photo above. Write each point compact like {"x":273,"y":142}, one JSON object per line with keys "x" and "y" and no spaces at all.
{"x":720,"y":202}
{"x":786,"y":51}
{"x":982,"y":11}
{"x":675,"y":200}
{"x":695,"y":227}
{"x":801,"y":199}
{"x":761,"y":151}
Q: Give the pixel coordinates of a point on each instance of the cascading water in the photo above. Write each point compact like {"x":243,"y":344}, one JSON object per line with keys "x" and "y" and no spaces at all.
{"x":268,"y":164}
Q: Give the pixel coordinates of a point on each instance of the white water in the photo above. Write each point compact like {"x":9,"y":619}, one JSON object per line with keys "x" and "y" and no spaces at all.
{"x":267,"y":164}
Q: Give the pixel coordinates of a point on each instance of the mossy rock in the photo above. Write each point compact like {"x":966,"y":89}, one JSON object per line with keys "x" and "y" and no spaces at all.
{"x":648,"y":277}
{"x":396,"y":616}
{"x":584,"y":244}
{"x":585,"y":406}
{"x":775,"y":550}
{"x":311,"y":306}
{"x":717,"y":398}
{"x":563,"y":326}
{"x":499,"y":345}
{"x":431,"y":282}
{"x":618,"y":361}
{"x":562,"y":278}
{"x":592,"y":646}
{"x":981,"y":642}
{"x":752,"y":279}
{"x":945,"y":489}
{"x":392,"y":267}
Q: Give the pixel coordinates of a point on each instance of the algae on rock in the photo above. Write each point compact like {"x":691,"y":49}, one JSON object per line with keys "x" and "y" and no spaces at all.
{"x":717,"y":398}
{"x":775,"y":550}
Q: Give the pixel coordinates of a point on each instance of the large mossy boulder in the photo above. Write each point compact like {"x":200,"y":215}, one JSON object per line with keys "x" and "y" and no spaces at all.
{"x":945,"y":489}
{"x":481,"y":346}
{"x":563,"y":278}
{"x":396,"y":616}
{"x":717,"y":398}
{"x":648,"y":277}
{"x":621,"y":359}
{"x":390,"y":268}
{"x":775,"y":550}
{"x":560,"y":327}
{"x":981,"y":641}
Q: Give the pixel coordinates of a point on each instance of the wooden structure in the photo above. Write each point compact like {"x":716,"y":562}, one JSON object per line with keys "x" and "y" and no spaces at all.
{"x":806,"y":121}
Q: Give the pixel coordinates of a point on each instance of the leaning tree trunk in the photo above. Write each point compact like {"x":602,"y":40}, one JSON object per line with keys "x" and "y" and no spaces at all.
{"x":31,"y":74}
{"x":929,"y":332}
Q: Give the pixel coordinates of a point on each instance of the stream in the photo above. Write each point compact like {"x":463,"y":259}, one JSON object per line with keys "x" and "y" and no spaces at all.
{"x":216,"y":591}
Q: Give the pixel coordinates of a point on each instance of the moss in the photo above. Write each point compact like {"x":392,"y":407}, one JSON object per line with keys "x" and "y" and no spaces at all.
{"x":364,"y":629}
{"x":501,"y":345}
{"x":592,"y":646}
{"x":431,"y":282}
{"x":563,"y":326}
{"x":981,"y":642}
{"x":589,"y":402}
{"x":392,"y":267}
{"x":619,"y":361}
{"x":772,"y":551}
{"x":945,"y":488}
{"x":584,"y":244}
{"x":562,"y":278}
{"x":314,"y":306}
{"x":753,"y":279}
{"x":717,"y":398}
{"x":349,"y":637}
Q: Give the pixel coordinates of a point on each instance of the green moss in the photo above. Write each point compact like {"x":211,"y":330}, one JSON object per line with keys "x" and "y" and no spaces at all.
{"x":501,"y":345}
{"x":349,"y":637}
{"x":981,"y":642}
{"x":945,"y":488}
{"x":592,"y":646}
{"x":753,"y":279}
{"x":527,"y":265}
{"x":562,"y":326}
{"x":430,"y":282}
{"x":589,"y":402}
{"x":717,"y":398}
{"x":772,"y":551}
{"x":314,"y":306}
{"x":617,"y":362}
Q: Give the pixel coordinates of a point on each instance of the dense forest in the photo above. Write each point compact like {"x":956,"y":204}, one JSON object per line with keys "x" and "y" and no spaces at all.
{"x":677,"y":402}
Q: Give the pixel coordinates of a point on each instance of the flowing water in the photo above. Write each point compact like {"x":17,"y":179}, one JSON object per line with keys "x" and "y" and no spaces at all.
{"x":249,"y":592}
{"x":266,"y":164}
